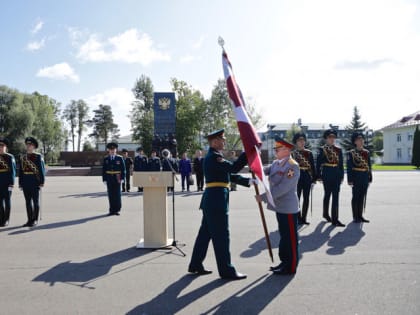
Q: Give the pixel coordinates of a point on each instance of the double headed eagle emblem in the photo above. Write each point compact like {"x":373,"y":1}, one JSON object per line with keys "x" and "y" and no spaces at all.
{"x":164,"y":103}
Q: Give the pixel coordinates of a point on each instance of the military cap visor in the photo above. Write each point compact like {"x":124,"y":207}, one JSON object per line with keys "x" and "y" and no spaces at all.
{"x":4,"y":141}
{"x":124,"y":150}
{"x":280,"y":143}
{"x":216,"y":134}
{"x":31,"y":140}
{"x":330,"y":132}
{"x":112,"y":145}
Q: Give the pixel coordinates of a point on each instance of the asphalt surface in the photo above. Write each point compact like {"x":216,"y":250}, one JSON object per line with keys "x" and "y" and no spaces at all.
{"x":79,"y":261}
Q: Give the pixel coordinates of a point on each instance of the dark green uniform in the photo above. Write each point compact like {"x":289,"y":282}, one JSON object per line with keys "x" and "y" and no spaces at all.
{"x":218,"y":173}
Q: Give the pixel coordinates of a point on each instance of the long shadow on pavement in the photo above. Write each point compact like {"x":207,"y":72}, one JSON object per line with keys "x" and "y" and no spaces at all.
{"x":260,"y":245}
{"x":89,"y":271}
{"x":351,"y":235}
{"x":316,"y":239}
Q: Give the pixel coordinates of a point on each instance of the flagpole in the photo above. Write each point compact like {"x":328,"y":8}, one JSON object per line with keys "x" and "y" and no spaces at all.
{"x":267,"y":238}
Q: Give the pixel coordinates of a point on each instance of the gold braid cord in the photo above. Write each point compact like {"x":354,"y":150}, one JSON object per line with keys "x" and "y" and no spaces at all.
{"x":331,"y":155}
{"x":303,"y":161}
{"x":359,"y":160}
{"x":28,"y":164}
{"x":3,"y":164}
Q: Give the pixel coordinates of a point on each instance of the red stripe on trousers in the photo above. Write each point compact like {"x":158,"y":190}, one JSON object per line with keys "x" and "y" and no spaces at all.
{"x":293,"y":241}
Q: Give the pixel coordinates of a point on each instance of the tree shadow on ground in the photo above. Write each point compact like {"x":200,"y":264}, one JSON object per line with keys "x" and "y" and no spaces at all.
{"x":350,"y":236}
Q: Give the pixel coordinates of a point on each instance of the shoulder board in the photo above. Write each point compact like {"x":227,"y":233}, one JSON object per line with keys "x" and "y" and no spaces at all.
{"x":293,"y":162}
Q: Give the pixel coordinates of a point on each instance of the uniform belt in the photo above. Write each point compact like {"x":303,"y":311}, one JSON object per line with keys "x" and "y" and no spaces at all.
{"x":28,"y":173}
{"x":4,"y":170}
{"x":359,"y":169}
{"x":304,"y":168}
{"x":113,"y":172}
{"x":217,"y":184}
{"x":330,"y":164}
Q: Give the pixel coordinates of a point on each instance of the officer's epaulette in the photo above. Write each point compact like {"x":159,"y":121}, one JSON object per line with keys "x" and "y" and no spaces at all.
{"x":293,"y":162}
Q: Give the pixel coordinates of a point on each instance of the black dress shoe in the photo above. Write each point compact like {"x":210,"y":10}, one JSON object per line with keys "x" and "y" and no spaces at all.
{"x":116,"y":213}
{"x":27,"y":224}
{"x":235,"y":276}
{"x":283,"y":271}
{"x":356,"y":220}
{"x":338,"y":223}
{"x":364,"y":220}
{"x":199,"y":271}
{"x":34,"y":223}
{"x":280,"y":265}
{"x":327,"y":218}
{"x":305,"y":222}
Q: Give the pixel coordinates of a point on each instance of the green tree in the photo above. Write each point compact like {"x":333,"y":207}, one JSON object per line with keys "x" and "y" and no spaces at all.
{"x":70,"y":114}
{"x":76,"y":114}
{"x":103,"y":124}
{"x":294,"y":129}
{"x":355,"y":125}
{"x":377,"y":142}
{"x":415,"y":159}
{"x":142,"y":115}
{"x":82,"y":118}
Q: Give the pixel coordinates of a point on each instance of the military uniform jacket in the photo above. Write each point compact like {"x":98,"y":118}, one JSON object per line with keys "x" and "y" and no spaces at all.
{"x":7,"y":170}
{"x":359,"y":165}
{"x":128,"y":164}
{"x":218,"y":170}
{"x":31,"y":170}
{"x":170,"y":165}
{"x":305,"y":159}
{"x":113,"y":169}
{"x":330,"y":162}
{"x":283,"y":176}
{"x":154,"y":164}
{"x":140,"y":163}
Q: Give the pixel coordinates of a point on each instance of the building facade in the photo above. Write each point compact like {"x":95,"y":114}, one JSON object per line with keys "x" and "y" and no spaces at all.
{"x":398,"y":139}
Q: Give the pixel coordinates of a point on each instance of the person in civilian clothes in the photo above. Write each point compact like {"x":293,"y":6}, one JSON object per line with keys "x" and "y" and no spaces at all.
{"x":198,"y":169}
{"x":113,"y":174}
{"x":185,"y":170}
{"x":330,"y":170}
{"x":128,"y":161}
{"x":7,"y":181}
{"x":154,"y":164}
{"x":307,"y":177}
{"x":359,"y":175}
{"x":141,"y":164}
{"x":31,"y":179}
{"x":169,"y":164}
{"x":218,"y":172}
{"x":283,"y":175}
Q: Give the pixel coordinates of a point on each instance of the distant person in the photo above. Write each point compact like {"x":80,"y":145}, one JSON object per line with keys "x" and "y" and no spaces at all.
{"x":198,"y":169}
{"x":113,"y":174}
{"x":185,"y":170}
{"x":307,"y":177}
{"x":128,"y":161}
{"x":141,"y":163}
{"x":169,"y":164}
{"x":232,"y":158}
{"x":359,"y":175}
{"x":154,"y":164}
{"x":7,"y":181}
{"x":31,"y":179}
{"x":330,"y":170}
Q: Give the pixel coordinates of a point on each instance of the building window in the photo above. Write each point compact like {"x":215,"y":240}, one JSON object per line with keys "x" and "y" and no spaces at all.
{"x":410,"y":137}
{"x":399,"y":155}
{"x":398,"y":137}
{"x":409,"y":151}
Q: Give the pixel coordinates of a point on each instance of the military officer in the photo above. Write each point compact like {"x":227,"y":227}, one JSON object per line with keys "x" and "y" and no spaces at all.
{"x":307,"y":177}
{"x":154,"y":164}
{"x":359,"y":175}
{"x":218,"y":172}
{"x":330,"y":170}
{"x":283,"y":177}
{"x":140,"y":163}
{"x":113,"y":174}
{"x":31,"y":179}
{"x":7,"y":181}
{"x":128,"y":161}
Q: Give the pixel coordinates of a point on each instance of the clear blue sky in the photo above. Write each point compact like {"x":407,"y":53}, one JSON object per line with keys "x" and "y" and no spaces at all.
{"x":313,"y":60}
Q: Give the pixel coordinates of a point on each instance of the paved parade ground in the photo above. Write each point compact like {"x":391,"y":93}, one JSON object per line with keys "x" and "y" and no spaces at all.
{"x":80,"y":261}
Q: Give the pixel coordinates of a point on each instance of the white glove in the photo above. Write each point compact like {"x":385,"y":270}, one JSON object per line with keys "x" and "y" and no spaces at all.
{"x":253,"y":181}
{"x":104,"y":182}
{"x":10,"y":188}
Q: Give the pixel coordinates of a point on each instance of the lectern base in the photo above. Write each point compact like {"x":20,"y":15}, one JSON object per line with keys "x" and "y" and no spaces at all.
{"x":142,"y":244}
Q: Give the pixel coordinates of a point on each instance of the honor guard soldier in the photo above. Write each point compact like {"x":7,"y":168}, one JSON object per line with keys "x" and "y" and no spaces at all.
{"x":7,"y":181}
{"x":154,"y":163}
{"x":128,"y":161}
{"x":31,"y":179}
{"x":359,"y":175}
{"x":140,"y":164}
{"x":330,"y":170}
{"x":307,"y":177}
{"x":218,"y":172}
{"x":113,"y":174}
{"x":283,"y":176}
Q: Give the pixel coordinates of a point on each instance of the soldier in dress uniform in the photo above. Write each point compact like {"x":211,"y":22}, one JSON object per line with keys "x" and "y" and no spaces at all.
{"x":359,"y":175}
{"x":330,"y":170}
{"x":113,"y":174}
{"x":218,"y":172}
{"x":31,"y":179}
{"x":307,"y":178}
{"x":128,"y":161}
{"x":154,"y":163}
{"x":140,"y":163}
{"x":7,"y":181}
{"x":283,"y":176}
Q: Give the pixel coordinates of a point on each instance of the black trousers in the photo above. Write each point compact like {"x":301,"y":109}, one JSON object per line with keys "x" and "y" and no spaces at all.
{"x":31,"y":194}
{"x":126,"y":184}
{"x":289,"y":242}
{"x":114,"y":195}
{"x":304,"y":186}
{"x":200,"y":180}
{"x":331,"y":188}
{"x":5,"y":196}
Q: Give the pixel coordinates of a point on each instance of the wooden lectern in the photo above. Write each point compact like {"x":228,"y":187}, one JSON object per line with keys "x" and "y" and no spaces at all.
{"x":155,"y":207}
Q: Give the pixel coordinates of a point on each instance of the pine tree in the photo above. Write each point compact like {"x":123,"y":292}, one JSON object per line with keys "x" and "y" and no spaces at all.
{"x":415,"y":159}
{"x":355,"y":125}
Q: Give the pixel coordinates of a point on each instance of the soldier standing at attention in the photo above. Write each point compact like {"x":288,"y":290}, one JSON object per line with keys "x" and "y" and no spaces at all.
{"x":140,"y":164}
{"x":198,"y":169}
{"x":154,"y":163}
{"x":128,"y":161}
{"x":7,"y":181}
{"x":359,"y":175}
{"x":330,"y":170}
{"x":307,"y":177}
{"x":283,"y":176}
{"x":218,"y":172}
{"x":31,"y":179}
{"x":113,"y":174}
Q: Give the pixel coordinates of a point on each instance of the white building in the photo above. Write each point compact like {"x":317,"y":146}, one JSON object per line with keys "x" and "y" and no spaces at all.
{"x":398,"y":139}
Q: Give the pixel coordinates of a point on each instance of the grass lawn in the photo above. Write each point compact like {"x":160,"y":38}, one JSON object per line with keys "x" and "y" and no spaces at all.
{"x":378,"y":167}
